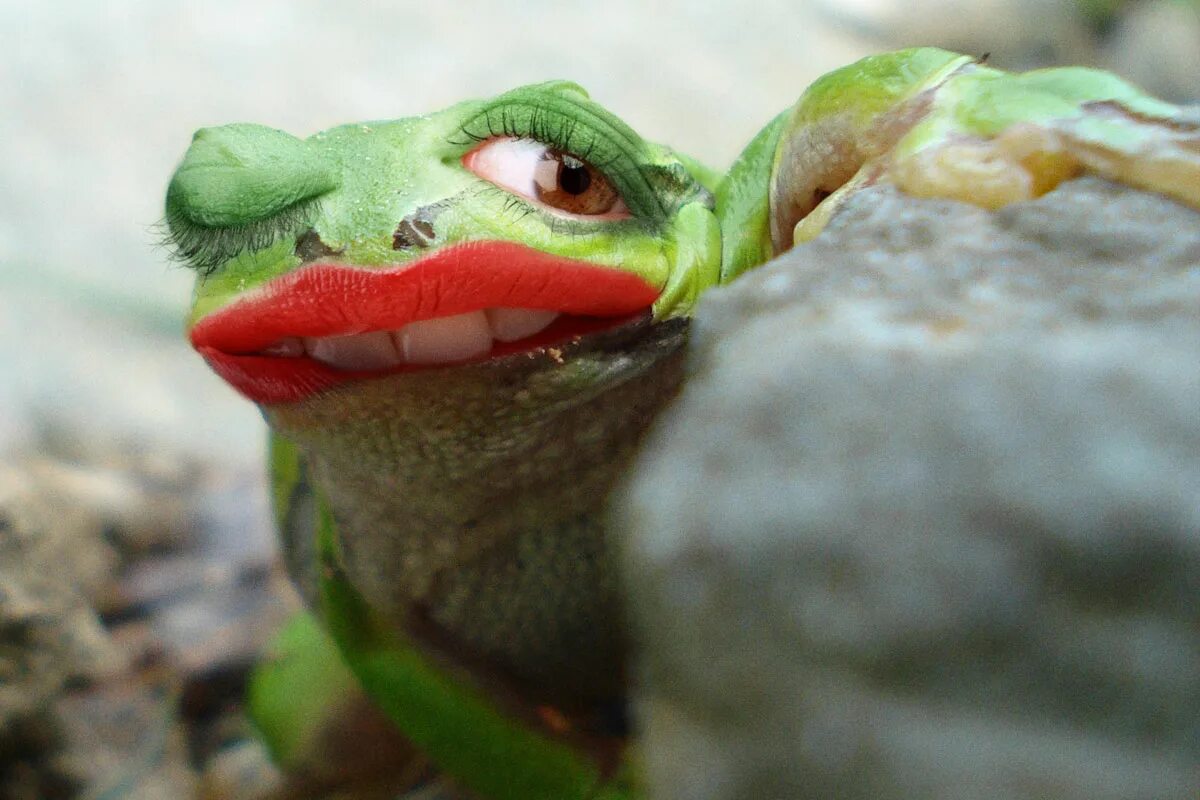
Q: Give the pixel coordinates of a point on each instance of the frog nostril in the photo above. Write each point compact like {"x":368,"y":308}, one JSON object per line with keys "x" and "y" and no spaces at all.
{"x":309,"y":247}
{"x":415,"y":230}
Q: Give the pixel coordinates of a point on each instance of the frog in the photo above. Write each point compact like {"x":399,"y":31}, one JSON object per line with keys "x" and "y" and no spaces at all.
{"x":459,"y":327}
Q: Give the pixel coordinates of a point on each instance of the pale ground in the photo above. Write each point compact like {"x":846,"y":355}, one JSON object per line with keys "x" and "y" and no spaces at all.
{"x":100,"y":100}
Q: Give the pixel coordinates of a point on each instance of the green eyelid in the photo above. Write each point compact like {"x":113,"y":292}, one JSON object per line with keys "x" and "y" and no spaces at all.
{"x":243,"y":187}
{"x":566,"y":120}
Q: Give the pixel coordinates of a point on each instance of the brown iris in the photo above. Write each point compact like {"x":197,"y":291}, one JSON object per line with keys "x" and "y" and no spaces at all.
{"x":565,"y":182}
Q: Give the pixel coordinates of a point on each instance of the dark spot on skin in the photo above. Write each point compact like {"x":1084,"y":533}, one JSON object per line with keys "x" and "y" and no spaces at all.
{"x":416,"y":230}
{"x":309,"y":247}
{"x":674,"y":181}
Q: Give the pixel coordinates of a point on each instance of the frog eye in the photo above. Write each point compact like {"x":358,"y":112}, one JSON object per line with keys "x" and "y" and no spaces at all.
{"x":558,"y":181}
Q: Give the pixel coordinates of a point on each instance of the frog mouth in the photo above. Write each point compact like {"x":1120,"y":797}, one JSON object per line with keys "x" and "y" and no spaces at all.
{"x":326,"y":324}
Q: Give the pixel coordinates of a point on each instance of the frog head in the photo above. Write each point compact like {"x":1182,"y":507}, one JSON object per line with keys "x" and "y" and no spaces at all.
{"x":492,"y":229}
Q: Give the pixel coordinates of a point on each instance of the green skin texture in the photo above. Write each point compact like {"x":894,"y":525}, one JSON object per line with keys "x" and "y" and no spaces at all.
{"x":244,"y":193}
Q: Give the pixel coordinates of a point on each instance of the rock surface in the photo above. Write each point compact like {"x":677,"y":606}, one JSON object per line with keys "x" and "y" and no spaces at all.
{"x":133,"y":598}
{"x":925,"y":522}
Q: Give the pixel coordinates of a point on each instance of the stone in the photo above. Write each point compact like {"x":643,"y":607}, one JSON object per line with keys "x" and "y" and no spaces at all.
{"x":136,"y":589}
{"x":925,"y":521}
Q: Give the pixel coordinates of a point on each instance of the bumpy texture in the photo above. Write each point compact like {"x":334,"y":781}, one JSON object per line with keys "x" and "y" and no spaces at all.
{"x":531,"y":594}
{"x":925,"y":520}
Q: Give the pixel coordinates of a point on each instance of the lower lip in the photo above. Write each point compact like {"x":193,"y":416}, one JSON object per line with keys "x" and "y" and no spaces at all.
{"x":333,"y":299}
{"x":272,"y":379}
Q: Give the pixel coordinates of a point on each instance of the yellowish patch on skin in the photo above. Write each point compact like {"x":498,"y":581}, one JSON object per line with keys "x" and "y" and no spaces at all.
{"x":1024,"y":162}
{"x":1042,"y":153}
{"x":973,"y":172}
{"x":1028,"y":160}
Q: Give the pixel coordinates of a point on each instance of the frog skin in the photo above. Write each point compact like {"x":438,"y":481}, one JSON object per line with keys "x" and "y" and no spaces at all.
{"x":443,"y":444}
{"x":438,"y":487}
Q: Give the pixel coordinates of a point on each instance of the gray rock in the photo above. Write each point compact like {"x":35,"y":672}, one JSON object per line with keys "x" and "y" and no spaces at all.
{"x":925,"y":522}
{"x":134,"y":594}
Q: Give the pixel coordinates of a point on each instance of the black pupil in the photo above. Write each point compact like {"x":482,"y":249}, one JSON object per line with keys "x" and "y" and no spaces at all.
{"x":574,"y":178}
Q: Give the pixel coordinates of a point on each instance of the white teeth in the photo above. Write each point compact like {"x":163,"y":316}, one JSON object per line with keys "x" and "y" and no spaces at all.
{"x":358,"y":351}
{"x":435,"y":341}
{"x":442,"y":340}
{"x":511,"y":324}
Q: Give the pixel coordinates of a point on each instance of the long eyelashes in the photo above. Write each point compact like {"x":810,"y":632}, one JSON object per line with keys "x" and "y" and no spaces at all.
{"x":571,"y":135}
{"x":204,"y":249}
{"x":550,"y":128}
{"x":517,"y":209}
{"x":543,"y":125}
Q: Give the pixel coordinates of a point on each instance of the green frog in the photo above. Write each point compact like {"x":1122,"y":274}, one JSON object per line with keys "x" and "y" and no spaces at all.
{"x":459,"y":327}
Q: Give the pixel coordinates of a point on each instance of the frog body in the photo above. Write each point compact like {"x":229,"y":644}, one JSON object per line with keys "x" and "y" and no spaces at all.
{"x":459,"y":326}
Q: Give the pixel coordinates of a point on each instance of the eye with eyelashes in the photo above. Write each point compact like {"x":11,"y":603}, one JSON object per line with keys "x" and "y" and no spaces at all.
{"x":562,"y":157}
{"x":554,"y":180}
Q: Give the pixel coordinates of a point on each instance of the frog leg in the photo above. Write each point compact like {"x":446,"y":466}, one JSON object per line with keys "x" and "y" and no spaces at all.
{"x":319,"y":726}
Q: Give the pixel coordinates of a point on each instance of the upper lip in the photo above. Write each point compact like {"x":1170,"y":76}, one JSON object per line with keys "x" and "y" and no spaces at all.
{"x":335,"y":299}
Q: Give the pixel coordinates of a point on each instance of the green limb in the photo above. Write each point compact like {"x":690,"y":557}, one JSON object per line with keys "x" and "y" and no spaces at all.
{"x":319,"y":726}
{"x":298,"y":691}
{"x":455,"y":725}
{"x":743,"y":207}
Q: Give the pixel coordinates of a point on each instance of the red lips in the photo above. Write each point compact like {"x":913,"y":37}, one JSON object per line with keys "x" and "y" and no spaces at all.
{"x":333,"y":299}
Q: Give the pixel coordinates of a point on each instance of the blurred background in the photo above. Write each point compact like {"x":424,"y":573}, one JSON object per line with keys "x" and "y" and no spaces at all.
{"x":119,"y":451}
{"x":100,"y":100}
